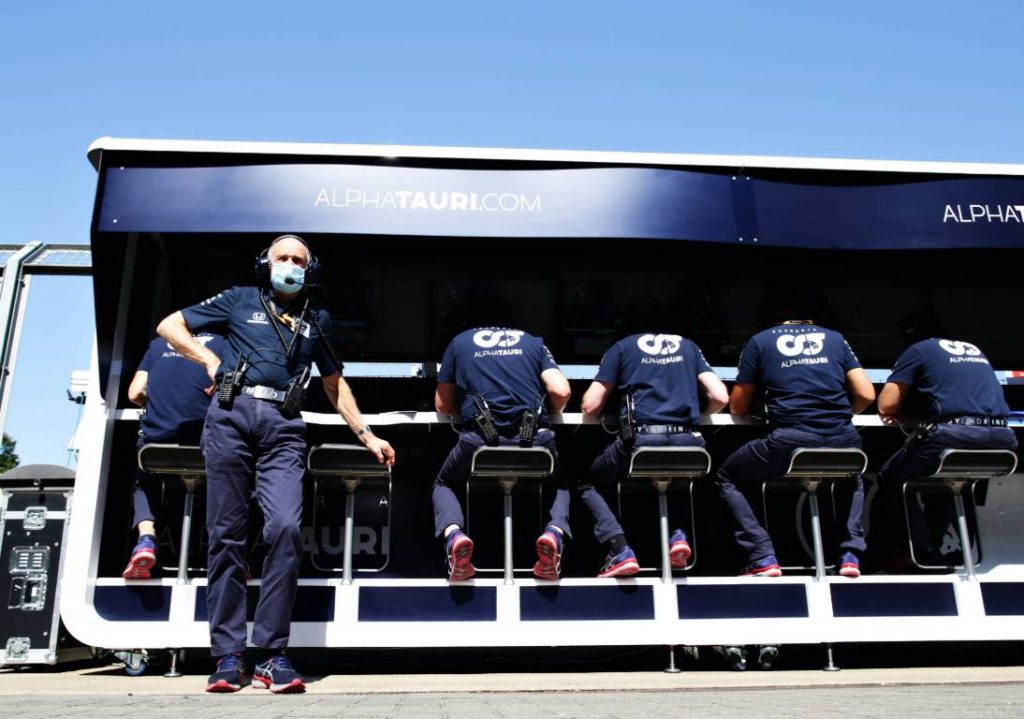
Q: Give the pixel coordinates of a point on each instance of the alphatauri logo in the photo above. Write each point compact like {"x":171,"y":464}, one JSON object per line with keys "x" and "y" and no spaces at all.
{"x":659,"y":344}
{"x":960,"y":349}
{"x":497,"y":338}
{"x":810,"y":343}
{"x":966,"y":214}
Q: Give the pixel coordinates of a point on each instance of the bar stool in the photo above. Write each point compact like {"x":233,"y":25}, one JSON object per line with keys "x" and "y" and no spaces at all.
{"x":661,"y":466}
{"x":353,"y":463}
{"x":187,"y":462}
{"x":959,"y":470}
{"x":809,"y":466}
{"x":508,"y":465}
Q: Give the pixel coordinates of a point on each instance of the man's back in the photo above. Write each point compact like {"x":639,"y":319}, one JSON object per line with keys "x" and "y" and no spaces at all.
{"x":660,"y":372}
{"x":952,"y":377}
{"x":502,"y":366}
{"x":176,"y":403}
{"x":802,"y":369}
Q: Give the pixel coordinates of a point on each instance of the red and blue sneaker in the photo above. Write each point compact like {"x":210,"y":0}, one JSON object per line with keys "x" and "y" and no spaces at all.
{"x":279,"y":676}
{"x":765,"y":567}
{"x":143,"y":558}
{"x":549,"y":555}
{"x":459,"y":548}
{"x":679,"y":551}
{"x":230,"y":676}
{"x":849,"y":565}
{"x":622,"y":564}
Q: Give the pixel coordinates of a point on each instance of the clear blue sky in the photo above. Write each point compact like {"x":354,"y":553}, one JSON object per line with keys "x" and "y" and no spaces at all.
{"x":919,"y":80}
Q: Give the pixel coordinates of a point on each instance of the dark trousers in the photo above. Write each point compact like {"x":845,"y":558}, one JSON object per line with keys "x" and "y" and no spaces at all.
{"x":741,"y":475}
{"x":146,"y":493}
{"x":455,"y":471}
{"x":915,"y":461}
{"x":611,"y":467}
{"x":253,"y":442}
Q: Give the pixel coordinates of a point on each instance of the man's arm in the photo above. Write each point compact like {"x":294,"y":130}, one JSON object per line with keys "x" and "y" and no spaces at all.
{"x":714,"y":391}
{"x":341,"y":398}
{"x":557,"y":387}
{"x":595,"y":397}
{"x":446,"y":398}
{"x":741,"y":398}
{"x":175,"y":330}
{"x":860,"y":389}
{"x":137,"y":389}
{"x":891,"y":399}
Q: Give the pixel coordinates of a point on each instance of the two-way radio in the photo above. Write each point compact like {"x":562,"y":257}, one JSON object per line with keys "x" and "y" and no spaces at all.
{"x":627,"y":420}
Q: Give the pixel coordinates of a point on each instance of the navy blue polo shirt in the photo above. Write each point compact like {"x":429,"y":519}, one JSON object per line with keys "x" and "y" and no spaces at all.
{"x":245,"y":315}
{"x":954,"y":377}
{"x":174,"y":389}
{"x":802,"y":369}
{"x":501,"y":365}
{"x":660,"y":371}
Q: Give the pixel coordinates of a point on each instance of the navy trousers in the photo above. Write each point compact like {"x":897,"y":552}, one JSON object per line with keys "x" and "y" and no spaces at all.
{"x":252,"y":443}
{"x":455,"y":471}
{"x":611,"y":467}
{"x":916,"y":461}
{"x":741,"y":475}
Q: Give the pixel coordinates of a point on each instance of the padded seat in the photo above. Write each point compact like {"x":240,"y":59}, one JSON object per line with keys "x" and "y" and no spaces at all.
{"x":186,"y":462}
{"x":353,"y":464}
{"x":661,"y":466}
{"x":506,"y":466}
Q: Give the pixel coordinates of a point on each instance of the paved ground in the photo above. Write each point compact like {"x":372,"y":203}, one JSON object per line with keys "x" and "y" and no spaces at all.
{"x":907,"y":692}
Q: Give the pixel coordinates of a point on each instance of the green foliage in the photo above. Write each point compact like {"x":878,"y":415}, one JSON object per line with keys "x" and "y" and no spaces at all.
{"x":8,"y":459}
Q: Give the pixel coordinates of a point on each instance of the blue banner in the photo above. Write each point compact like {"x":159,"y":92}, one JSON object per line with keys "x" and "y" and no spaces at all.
{"x":640,"y":203}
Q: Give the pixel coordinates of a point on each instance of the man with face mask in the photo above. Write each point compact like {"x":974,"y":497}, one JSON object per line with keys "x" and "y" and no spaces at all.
{"x":255,"y":436}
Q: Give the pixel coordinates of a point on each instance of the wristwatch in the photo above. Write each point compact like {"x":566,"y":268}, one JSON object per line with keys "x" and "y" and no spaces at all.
{"x":365,"y":430}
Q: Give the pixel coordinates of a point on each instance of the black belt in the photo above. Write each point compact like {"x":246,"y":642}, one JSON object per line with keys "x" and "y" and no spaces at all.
{"x":269,"y":394}
{"x":665,"y":428}
{"x":968,"y":421}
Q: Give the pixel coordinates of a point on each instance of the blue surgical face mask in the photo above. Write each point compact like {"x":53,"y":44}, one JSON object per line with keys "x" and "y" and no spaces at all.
{"x":287,"y":278}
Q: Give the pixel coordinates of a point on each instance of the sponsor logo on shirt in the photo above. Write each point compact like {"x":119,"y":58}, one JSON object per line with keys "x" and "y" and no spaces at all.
{"x":962,"y":352}
{"x":497,"y":343}
{"x":807,"y":344}
{"x":304,"y":330}
{"x":258,"y":318}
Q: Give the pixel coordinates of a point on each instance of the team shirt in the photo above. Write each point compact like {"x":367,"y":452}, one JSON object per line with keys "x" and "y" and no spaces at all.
{"x":500,"y":365}
{"x":802,"y":369}
{"x":174,"y":389}
{"x":245,"y":315}
{"x":660,"y":371}
{"x":953,"y":377}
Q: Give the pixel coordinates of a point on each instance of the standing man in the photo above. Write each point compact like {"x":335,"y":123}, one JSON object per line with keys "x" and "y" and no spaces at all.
{"x":813,"y":384}
{"x":494,"y":378}
{"x":254,"y":433}
{"x":950,"y":385}
{"x":171,"y":389}
{"x":661,"y":378}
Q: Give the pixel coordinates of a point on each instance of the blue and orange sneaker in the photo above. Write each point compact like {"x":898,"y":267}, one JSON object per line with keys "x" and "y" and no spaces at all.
{"x":279,"y":676}
{"x":143,"y":559}
{"x":229,"y":676}
{"x":849,"y":565}
{"x":459,"y":549}
{"x":765,"y":567}
{"x":679,"y":551}
{"x":549,"y":555}
{"x":622,"y":564}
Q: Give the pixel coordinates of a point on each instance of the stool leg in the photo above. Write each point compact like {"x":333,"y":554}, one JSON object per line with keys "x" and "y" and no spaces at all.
{"x":508,"y":534}
{"x":965,"y":540}
{"x":186,"y":532}
{"x":350,"y":510}
{"x":666,"y":566}
{"x":819,"y":551}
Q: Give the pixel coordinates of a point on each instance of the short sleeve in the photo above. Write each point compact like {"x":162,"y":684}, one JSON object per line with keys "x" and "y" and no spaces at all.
{"x":547,"y":360}
{"x":702,"y":364}
{"x":446,"y":373}
{"x":611,"y":363}
{"x":750,"y":363}
{"x":212,"y":312}
{"x":850,"y":360}
{"x":906,"y":367}
{"x":149,"y":359}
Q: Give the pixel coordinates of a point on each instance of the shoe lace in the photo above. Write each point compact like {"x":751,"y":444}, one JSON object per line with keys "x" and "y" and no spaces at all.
{"x":230,"y":663}
{"x":280,"y":662}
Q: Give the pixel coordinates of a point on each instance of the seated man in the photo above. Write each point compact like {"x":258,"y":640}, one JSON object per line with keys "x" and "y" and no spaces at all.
{"x":813,"y":384}
{"x":961,"y":406}
{"x":492,"y":377}
{"x":661,"y":378}
{"x":172,"y":390}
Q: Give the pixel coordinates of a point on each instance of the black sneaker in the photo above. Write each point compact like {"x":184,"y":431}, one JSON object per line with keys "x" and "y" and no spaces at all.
{"x":230,"y":676}
{"x":278,"y":675}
